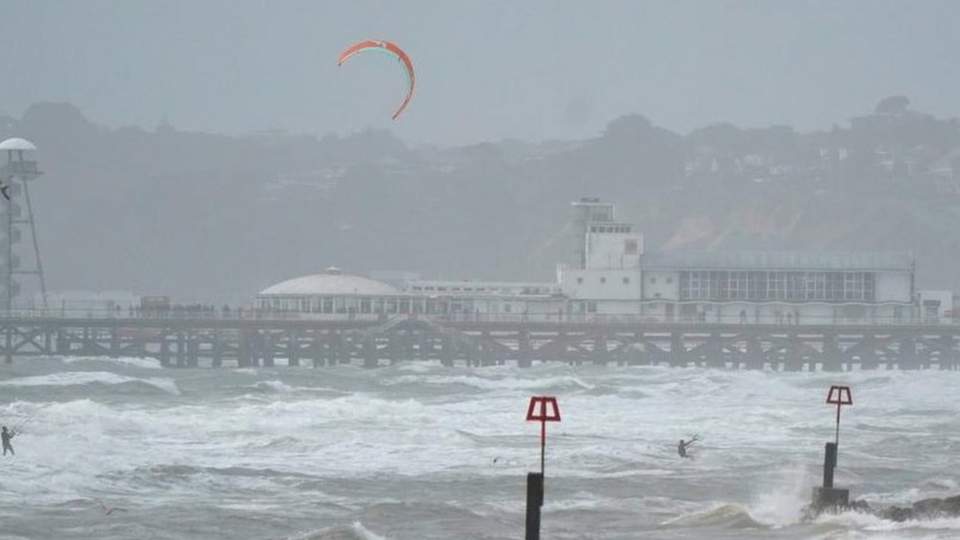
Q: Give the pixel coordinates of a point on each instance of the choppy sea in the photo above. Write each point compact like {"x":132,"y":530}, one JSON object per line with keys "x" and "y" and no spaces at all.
{"x":418,"y":451}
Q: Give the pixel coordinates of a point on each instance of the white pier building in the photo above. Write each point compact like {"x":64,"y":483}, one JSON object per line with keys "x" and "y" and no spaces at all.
{"x":611,"y":275}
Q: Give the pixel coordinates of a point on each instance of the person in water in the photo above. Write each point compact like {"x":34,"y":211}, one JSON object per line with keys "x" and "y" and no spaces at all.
{"x":682,"y":447}
{"x":6,"y":436}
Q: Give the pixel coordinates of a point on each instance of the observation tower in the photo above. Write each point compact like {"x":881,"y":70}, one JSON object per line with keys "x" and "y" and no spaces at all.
{"x":16,"y":174}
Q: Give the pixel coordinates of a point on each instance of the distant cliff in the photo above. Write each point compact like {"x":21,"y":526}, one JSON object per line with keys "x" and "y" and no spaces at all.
{"x":215,"y":218}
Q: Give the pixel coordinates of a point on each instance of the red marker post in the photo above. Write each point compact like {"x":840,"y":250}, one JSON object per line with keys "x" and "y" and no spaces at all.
{"x":839,"y":396}
{"x":543,"y":409}
{"x":828,"y":496}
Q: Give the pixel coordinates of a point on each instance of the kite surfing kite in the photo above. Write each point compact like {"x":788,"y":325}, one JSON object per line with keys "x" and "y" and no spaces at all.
{"x":392,"y":49}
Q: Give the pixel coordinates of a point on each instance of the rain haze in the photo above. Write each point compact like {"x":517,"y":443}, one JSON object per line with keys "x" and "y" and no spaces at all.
{"x":487,"y":70}
{"x":239,"y":300}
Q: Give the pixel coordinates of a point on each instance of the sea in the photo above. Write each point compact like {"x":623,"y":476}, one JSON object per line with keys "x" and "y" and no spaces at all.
{"x":120,"y":448}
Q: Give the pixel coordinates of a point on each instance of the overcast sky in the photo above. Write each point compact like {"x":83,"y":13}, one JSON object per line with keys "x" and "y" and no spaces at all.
{"x":485,"y":70}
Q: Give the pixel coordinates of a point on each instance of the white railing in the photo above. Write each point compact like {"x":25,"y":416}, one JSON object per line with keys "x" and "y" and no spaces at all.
{"x":605,"y":318}
{"x":183,"y":314}
{"x":193,"y":313}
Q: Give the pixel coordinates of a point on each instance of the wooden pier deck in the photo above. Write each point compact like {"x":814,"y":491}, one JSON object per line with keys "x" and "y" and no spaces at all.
{"x":216,"y":340}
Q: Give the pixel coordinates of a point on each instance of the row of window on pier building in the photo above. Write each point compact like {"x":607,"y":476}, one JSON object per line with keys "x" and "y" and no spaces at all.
{"x":720,"y":285}
{"x":560,"y":308}
{"x":777,"y":286}
{"x":346,"y":304}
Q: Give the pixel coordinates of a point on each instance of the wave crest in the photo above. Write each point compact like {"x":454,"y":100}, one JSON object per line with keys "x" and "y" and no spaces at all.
{"x":124,"y":361}
{"x":81,"y":378}
{"x":354,"y":532}
{"x":728,"y":516}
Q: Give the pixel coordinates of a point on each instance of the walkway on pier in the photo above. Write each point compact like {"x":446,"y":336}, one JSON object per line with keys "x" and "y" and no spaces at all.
{"x":266,"y":339}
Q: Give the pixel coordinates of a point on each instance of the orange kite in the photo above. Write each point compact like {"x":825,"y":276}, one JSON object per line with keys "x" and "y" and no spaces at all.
{"x":388,"y":47}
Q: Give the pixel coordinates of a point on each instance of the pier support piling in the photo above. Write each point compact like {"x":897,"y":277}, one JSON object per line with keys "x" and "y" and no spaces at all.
{"x":8,"y":349}
{"x":267,"y":350}
{"x":447,"y":351}
{"x":164,"y":351}
{"x":370,"y":354}
{"x":293,"y":348}
{"x":217,"y":349}
{"x":193,"y":351}
{"x":524,"y":349}
{"x":316,"y":349}
{"x":243,"y":349}
{"x":181,"y":350}
{"x":114,"y":342}
{"x":600,"y":351}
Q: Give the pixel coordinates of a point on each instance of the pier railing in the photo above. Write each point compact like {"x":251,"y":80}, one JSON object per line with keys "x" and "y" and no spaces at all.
{"x":247,"y":314}
{"x":185,"y":315}
{"x":692,"y":321}
{"x":246,"y":337}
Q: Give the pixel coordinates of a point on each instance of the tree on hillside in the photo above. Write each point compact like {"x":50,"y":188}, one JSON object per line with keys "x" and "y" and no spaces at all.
{"x":631,"y":126}
{"x":892,"y":105}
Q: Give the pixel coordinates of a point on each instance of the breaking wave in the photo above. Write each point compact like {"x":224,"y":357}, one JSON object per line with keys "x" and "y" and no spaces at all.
{"x":80,"y":378}
{"x":126,"y":361}
{"x":729,"y":516}
{"x":482,"y":383}
{"x":273,"y":386}
{"x":354,"y":532}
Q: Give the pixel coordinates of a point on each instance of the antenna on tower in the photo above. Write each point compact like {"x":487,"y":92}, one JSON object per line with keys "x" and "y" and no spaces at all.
{"x":16,"y":175}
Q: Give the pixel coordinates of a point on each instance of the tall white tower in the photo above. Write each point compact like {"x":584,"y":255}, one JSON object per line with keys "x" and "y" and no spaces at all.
{"x":16,"y":175}
{"x":586,"y":211}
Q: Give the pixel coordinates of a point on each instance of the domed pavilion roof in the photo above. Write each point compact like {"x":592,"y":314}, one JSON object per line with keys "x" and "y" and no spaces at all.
{"x":16,"y":143}
{"x":329,"y":283}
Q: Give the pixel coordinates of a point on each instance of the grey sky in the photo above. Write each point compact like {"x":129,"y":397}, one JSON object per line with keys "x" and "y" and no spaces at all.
{"x":486,"y":70}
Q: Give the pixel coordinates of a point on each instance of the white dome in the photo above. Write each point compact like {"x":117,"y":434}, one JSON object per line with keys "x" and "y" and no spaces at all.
{"x":16,"y":143}
{"x":331,"y":283}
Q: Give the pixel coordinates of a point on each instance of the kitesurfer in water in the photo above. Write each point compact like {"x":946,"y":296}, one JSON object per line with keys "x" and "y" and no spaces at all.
{"x":682,"y":447}
{"x":6,"y":436}
{"x":5,"y":190}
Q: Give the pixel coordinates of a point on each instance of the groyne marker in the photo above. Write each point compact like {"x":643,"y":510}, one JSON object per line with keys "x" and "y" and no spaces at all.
{"x":839,"y":396}
{"x":541,"y":409}
{"x":827,"y":496}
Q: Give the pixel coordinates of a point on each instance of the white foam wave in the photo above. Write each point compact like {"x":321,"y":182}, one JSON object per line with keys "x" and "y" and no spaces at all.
{"x":274,"y":385}
{"x":781,"y":502}
{"x":929,"y":488}
{"x":732,"y":516}
{"x":131,"y":361}
{"x":415,"y":367}
{"x":79,"y":378}
{"x":378,"y":432}
{"x":507,"y":383}
{"x":354,"y":532}
{"x":872,"y":523}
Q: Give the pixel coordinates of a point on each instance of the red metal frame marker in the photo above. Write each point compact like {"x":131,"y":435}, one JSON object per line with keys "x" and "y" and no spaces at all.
{"x":548,"y":411}
{"x":839,"y":396}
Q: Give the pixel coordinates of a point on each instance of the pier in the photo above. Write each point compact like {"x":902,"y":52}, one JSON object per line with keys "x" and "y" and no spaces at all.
{"x":250,"y":339}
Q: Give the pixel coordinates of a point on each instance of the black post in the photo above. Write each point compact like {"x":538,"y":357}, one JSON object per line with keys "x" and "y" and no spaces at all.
{"x":837,"y":436}
{"x":534,"y":502}
{"x":543,"y":446}
{"x":829,"y":464}
{"x":827,"y":496}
